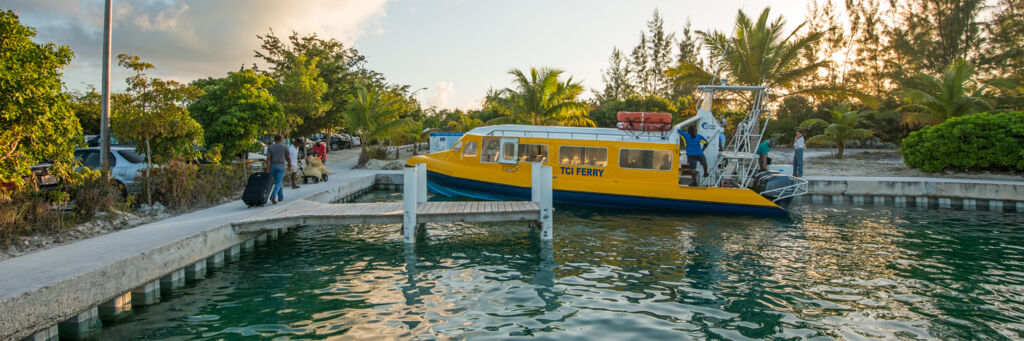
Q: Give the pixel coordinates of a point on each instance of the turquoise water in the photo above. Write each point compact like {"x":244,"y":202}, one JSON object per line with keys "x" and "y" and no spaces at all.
{"x":827,"y":272}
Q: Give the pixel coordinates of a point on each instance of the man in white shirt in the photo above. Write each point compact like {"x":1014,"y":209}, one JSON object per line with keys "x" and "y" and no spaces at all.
{"x":798,"y":154}
{"x":294,"y":153}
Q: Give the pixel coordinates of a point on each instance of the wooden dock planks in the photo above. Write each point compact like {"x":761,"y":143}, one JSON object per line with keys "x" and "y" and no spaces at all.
{"x":387,"y":213}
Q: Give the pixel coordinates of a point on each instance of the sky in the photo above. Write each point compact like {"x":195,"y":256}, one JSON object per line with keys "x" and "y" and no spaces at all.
{"x":456,"y":49}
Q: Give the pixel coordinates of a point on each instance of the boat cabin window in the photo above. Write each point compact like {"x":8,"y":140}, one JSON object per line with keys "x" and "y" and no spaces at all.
{"x":583,"y":156}
{"x":456,"y":147}
{"x":490,"y":150}
{"x":645,"y":159}
{"x":470,"y":149}
{"x":509,"y":151}
{"x":533,"y":152}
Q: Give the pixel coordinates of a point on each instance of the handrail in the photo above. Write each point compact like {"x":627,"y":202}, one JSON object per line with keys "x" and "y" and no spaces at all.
{"x":572,"y":135}
{"x":786,"y":192}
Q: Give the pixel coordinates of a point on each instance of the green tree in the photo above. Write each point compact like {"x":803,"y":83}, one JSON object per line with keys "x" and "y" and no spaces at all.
{"x":616,"y":79}
{"x":458,"y":121}
{"x":340,"y":67}
{"x":301,"y":93}
{"x":86,"y":106}
{"x":234,"y":111}
{"x":374,"y":115}
{"x":761,"y":52}
{"x":37,"y":122}
{"x":842,"y":129}
{"x":541,"y":99}
{"x":955,"y":93}
{"x":154,"y":117}
{"x":605,"y":114}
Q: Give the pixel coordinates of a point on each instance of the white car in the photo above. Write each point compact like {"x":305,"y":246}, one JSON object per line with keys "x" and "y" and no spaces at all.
{"x":125,"y":164}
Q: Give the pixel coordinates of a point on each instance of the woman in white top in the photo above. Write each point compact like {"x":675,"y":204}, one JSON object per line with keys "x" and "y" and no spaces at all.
{"x":798,"y":154}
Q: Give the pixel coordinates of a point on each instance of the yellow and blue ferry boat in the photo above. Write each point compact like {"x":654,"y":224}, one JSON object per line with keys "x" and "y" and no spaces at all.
{"x":607,"y":167}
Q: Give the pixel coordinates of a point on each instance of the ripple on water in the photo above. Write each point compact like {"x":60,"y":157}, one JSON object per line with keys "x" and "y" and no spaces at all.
{"x":825,"y":272}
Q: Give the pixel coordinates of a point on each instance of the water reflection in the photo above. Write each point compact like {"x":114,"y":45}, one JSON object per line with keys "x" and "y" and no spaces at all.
{"x":831,"y":272}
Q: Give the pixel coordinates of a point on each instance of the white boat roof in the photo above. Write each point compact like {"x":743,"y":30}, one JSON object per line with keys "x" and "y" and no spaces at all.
{"x":577,"y":133}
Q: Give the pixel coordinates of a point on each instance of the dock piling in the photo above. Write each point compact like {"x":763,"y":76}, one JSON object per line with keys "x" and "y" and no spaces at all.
{"x":409,"y":198}
{"x":546,"y":203}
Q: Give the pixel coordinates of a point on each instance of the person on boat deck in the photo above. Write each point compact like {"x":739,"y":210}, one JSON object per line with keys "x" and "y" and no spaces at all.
{"x":762,"y":153}
{"x":694,"y":151}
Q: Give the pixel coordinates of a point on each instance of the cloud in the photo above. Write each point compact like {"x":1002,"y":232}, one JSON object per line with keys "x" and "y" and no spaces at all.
{"x":188,"y":39}
{"x":442,"y":95}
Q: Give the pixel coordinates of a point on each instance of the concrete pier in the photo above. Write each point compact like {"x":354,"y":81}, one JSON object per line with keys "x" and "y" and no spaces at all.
{"x":1020,"y":206}
{"x":261,"y":239}
{"x":51,"y":333}
{"x":899,"y":201}
{"x":173,"y":281}
{"x":272,"y":234}
{"x":215,"y":261}
{"x":817,"y":198}
{"x":858,"y":199}
{"x":116,"y":308}
{"x":969,"y":204}
{"x":195,"y":271}
{"x":879,"y":200}
{"x":945,"y":203}
{"x":838,"y":199}
{"x":233,"y":253}
{"x":81,"y":326}
{"x":921,"y":202}
{"x":146,"y":294}
{"x":248,"y":245}
{"x":995,"y":205}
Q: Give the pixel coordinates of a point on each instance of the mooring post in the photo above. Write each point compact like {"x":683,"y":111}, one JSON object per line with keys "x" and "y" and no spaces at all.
{"x":421,"y":183}
{"x":535,"y":182}
{"x":409,"y":198}
{"x":546,"y":203}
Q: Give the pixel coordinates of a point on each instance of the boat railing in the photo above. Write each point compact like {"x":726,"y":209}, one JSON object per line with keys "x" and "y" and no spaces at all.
{"x":798,"y":188}
{"x":659,"y":137}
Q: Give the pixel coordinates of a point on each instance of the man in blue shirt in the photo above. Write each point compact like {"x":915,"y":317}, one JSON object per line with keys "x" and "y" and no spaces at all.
{"x":694,"y":151}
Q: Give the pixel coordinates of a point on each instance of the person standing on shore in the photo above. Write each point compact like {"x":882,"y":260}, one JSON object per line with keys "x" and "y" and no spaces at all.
{"x":277,"y":159}
{"x":798,"y":154}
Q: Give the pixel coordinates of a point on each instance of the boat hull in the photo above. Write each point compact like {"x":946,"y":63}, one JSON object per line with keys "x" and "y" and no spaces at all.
{"x":453,"y":186}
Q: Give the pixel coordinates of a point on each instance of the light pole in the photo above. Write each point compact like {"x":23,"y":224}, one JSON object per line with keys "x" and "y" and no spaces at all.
{"x":105,"y":84}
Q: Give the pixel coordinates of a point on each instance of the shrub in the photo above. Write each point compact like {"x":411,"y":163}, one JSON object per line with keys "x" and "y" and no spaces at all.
{"x":94,"y":194}
{"x":180,"y":186}
{"x":987,"y":141}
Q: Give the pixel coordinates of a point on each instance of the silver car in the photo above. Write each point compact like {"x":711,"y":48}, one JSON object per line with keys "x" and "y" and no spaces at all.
{"x":125,"y":164}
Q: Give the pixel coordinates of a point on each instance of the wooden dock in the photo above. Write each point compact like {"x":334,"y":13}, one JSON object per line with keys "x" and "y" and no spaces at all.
{"x":414,"y":211}
{"x":315,"y":213}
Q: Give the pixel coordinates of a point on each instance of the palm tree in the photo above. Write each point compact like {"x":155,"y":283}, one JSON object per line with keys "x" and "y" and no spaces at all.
{"x":762,"y":52}
{"x":541,"y":99}
{"x":463,"y":122}
{"x":842,"y":129}
{"x":955,"y":93}
{"x":373,"y":116}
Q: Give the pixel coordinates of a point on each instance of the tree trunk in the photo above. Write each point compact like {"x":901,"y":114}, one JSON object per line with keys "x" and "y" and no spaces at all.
{"x":840,"y":146}
{"x":149,"y":174}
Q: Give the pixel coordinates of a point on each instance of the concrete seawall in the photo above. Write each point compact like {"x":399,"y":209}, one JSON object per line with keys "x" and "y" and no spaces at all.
{"x":63,"y":283}
{"x":996,"y":195}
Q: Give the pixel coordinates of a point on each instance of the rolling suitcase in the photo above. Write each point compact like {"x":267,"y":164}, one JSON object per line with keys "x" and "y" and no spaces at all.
{"x":257,"y":189}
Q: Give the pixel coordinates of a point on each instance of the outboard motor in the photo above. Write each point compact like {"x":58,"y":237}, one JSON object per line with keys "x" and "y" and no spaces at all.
{"x":770,"y":180}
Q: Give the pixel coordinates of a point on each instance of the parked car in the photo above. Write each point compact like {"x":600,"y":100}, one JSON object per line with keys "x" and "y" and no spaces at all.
{"x":125,"y":163}
{"x":94,"y":141}
{"x":44,"y":180}
{"x":337,"y":142}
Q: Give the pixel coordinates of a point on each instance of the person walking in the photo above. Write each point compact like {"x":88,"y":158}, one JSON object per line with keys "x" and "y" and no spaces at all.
{"x":762,"y":152}
{"x":277,"y":159}
{"x":798,"y":154}
{"x":694,"y":151}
